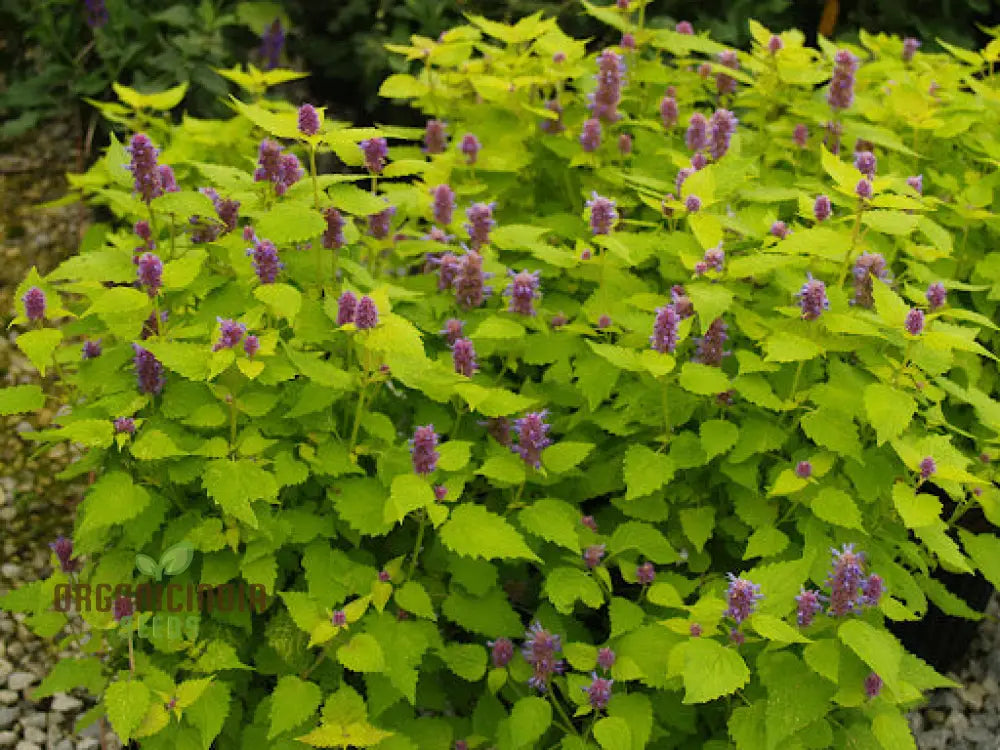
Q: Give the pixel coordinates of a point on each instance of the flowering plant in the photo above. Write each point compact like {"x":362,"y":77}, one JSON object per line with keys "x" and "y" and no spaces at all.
{"x":667,"y":487}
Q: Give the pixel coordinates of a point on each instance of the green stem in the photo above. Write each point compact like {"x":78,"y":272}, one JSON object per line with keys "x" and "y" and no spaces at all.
{"x":232,"y":425}
{"x":562,"y":712}
{"x":666,"y":413}
{"x":795,"y":380}
{"x":416,"y":545}
{"x":854,"y":240}
{"x":312,"y":169}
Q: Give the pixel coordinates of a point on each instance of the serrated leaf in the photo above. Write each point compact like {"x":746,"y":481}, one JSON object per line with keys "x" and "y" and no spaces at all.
{"x":889,"y":410}
{"x":235,"y":484}
{"x":645,"y":471}
{"x":698,"y":524}
{"x":126,"y":703}
{"x":467,"y":660}
{"x":290,"y":223}
{"x":529,"y":719}
{"x":916,"y":510}
{"x":837,"y":507}
{"x":113,"y":499}
{"x":984,"y":549}
{"x":613,"y":733}
{"x":284,"y":300}
{"x":293,"y":701}
{"x":787,"y":347}
{"x":554,"y":521}
{"x":473,"y":531}
{"x":566,"y":586}
{"x":565,"y":455}
{"x":409,"y":492}
{"x":711,"y":670}
{"x":413,"y":597}
{"x":877,"y":648}
{"x":39,"y":345}
{"x":703,"y":379}
{"x":362,"y":654}
{"x":717,"y":436}
{"x":20,"y":399}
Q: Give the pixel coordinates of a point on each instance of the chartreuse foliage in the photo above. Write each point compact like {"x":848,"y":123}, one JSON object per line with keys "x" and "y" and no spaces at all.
{"x":287,"y":464}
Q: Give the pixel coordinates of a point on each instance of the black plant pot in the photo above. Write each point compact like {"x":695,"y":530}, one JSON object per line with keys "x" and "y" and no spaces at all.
{"x":943,"y":640}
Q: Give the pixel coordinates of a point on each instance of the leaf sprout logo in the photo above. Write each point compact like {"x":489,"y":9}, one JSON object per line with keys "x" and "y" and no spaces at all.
{"x":174,"y":561}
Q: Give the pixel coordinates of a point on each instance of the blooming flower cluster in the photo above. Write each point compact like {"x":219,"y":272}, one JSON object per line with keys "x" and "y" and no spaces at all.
{"x":841,"y":94}
{"x":602,"y":214}
{"x":333,"y":235}
{"x":470,"y":146}
{"x":590,"y":134}
{"x":849,"y":588}
{"x":463,"y":355}
{"x":724,"y":83}
{"x":435,"y":137}
{"x":721,"y":127}
{"x":813,"y":299}
{"x":151,"y":179}
{"x":742,"y":597}
{"x":532,"y":437}
{"x":230,"y":334}
{"x":150,"y":272}
{"x":308,"y":120}
{"x":480,"y":216}
{"x":34,"y":303}
{"x":540,"y":650}
{"x":710,"y":346}
{"x":375,"y":151}
{"x":422,"y":450}
{"x":148,"y":371}
{"x":608,"y":94}
{"x":266,"y":263}
{"x":523,"y":291}
{"x":443,"y":204}
{"x":277,"y":167}
{"x":664,"y":338}
{"x":469,"y":282}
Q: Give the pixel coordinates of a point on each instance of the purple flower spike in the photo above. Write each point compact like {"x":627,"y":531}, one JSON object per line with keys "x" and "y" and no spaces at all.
{"x":590,"y":135}
{"x":868,"y":267}
{"x":375,"y":150}
{"x":682,"y":176}
{"x":523,"y":291}
{"x":539,"y":650}
{"x":532,"y":437}
{"x":607,"y":96}
{"x":696,"y":137}
{"x":603,"y":322}
{"x":380,"y":224}
{"x":779,"y":229}
{"x":872,"y":590}
{"x":845,"y":581}
{"x":710,"y":346}
{"x":271,"y":43}
{"x":145,"y":171}
{"x":230,"y":334}
{"x":470,"y":288}
{"x":699,"y":161}
{"x":803,"y":469}
{"x":480,"y":216}
{"x":602,"y":214}
{"x":664,"y":338}
{"x":813,"y":299}
{"x":589,"y":522}
{"x":936,"y":295}
{"x":308,"y":120}
{"x":866,"y":163}
{"x":692,"y":204}
{"x":96,"y":13}
{"x":347,"y":305}
{"x":917,"y":183}
{"x":645,"y":573}
{"x":91,"y":349}
{"x":801,"y":135}
{"x":280,"y":169}
{"x":251,"y":345}
{"x":628,"y":41}
{"x":367,"y":313}
{"x":452,"y":330}
{"x":448,"y":267}
{"x":669,"y":113}
{"x":593,"y":554}
{"x":63,"y":548}
{"x":148,"y":371}
{"x":841,"y":94}
{"x":606,"y":659}
{"x":695,"y":630}
{"x":422,"y":450}
{"x":501,"y":651}
{"x":726,"y":84}
{"x":598,"y":691}
{"x":124,"y":425}
{"x":715,"y":259}
{"x":339,"y":618}
{"x":774,"y":44}
{"x":150,"y":273}
{"x":910,"y":46}
{"x":742,"y":597}
{"x":266,"y":263}
{"x":873,"y":685}
{"x":167,"y":179}
{"x":809,"y":606}
{"x":914,"y":322}
{"x":333,"y":235}
{"x":864,"y":189}
{"x":34,"y":303}
{"x":927,"y":467}
{"x":684,"y":27}
{"x":122,"y":608}
{"x":444,"y":204}
{"x":435,"y":137}
{"x":463,"y":355}
{"x":470,"y":146}
{"x":721,"y":127}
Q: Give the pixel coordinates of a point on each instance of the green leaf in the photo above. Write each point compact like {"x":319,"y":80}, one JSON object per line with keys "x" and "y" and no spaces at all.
{"x":775,"y":629}
{"x":507,"y":468}
{"x":645,"y":538}
{"x":69,"y":674}
{"x":113,"y":499}
{"x":893,"y":731}
{"x":890,"y":308}
{"x":218,"y":656}
{"x":355,"y":734}
{"x":698,"y":524}
{"x":889,"y":410}
{"x":190,"y":360}
{"x":831,"y":429}
{"x":645,"y":471}
{"x":285,"y":301}
{"x":235,"y":484}
{"x":496,"y":327}
{"x":184,"y":204}
{"x":362,"y":654}
{"x":126,"y":702}
{"x":529,"y":720}
{"x":717,"y":437}
{"x":402,"y":86}
{"x":565,"y":455}
{"x":636,"y":710}
{"x":473,"y":531}
{"x":710,"y":300}
{"x":181,"y":273}
{"x":843,"y":174}
{"x":876,"y":648}
{"x":163,"y":100}
{"x":467,"y":660}
{"x":554,"y":521}
{"x":354,"y":200}
{"x":890,"y":222}
{"x":710,"y":670}
{"x":984,"y":549}
{"x":290,"y":223}
{"x":766,"y":541}
{"x":408,"y":493}
{"x":837,"y":507}
{"x":796,"y":696}
{"x":612,"y":733}
{"x":625,"y":616}
{"x":293,"y":701}
{"x":787,"y":347}
{"x":454,"y":455}
{"x":209,"y":712}
{"x":916,"y":510}
{"x":155,"y":444}
{"x":413,"y":597}
{"x":20,"y":399}
{"x":566,"y":586}
{"x":703,"y":379}
{"x":39,"y":345}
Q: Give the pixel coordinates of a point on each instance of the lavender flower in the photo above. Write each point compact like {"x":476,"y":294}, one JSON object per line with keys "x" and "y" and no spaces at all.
{"x":914,"y":322}
{"x":715,"y":258}
{"x":834,"y":130}
{"x":774,"y":44}
{"x":779,"y":229}
{"x":726,"y":84}
{"x":606,"y":658}
{"x":803,"y":469}
{"x":606,"y":98}
{"x":308,"y":120}
{"x":230,"y":334}
{"x":917,"y":183}
{"x":844,"y":581}
{"x":452,"y":330}
{"x":936,"y":295}
{"x":273,"y":165}
{"x":559,"y":57}
{"x":480,"y":216}
{"x":366,"y":315}
{"x":148,"y":371}
{"x":692,"y":204}
{"x":523,"y":290}
{"x":872,"y":590}
{"x":444,"y":204}
{"x":347,"y":305}
{"x":822,"y":208}
{"x":539,"y":650}
{"x":873,"y":685}
{"x":271,"y":43}
{"x":695,"y":630}
{"x":437,"y":235}
{"x":122,"y":608}
{"x":589,"y":522}
{"x":145,"y":170}
{"x":150,"y":273}
{"x":681,"y":302}
{"x":664,"y":338}
{"x":684,"y":27}
{"x":470,"y":146}
{"x":841,"y":94}
{"x":721,"y":127}
{"x":448,"y":268}
{"x":669,"y":113}
{"x":602,"y":214}
{"x":809,"y":606}
{"x":645,"y":573}
{"x":813,"y":299}
{"x":463,"y":355}
{"x":696,"y":137}
{"x":375,"y":150}
{"x":927,"y":467}
{"x":251,"y":345}
{"x":699,"y":161}
{"x":556,"y":126}
{"x":435,"y":137}
{"x":590,"y":135}
{"x":124,"y":425}
{"x":593,"y":554}
{"x":599,"y":691}
{"x":910,"y":46}
{"x":866,"y":163}
{"x":742,"y":597}
{"x":34,"y":303}
{"x":339,"y":618}
{"x":867,"y":267}
{"x":710,"y":346}
{"x":628,"y":41}
{"x":266,"y":263}
{"x":380,"y":224}
{"x":333,"y":235}
{"x":440,"y":492}
{"x":603,"y":322}
{"x":289,"y":172}
{"x":63,"y":548}
{"x":801,"y":135}
{"x":682,"y":176}
{"x":95,"y":13}
{"x":422,"y":450}
{"x":864,"y":189}
{"x":532,"y":437}
{"x":501,"y":651}
{"x":91,"y":349}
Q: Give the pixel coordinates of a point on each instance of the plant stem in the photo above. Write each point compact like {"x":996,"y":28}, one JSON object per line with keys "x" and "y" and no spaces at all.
{"x":562,"y":712}
{"x":854,"y":240}
{"x":416,"y":545}
{"x":357,"y":417}
{"x":312,"y":169}
{"x":666,"y":413}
